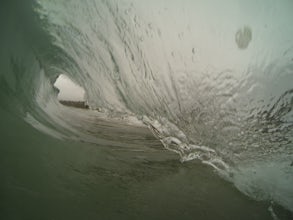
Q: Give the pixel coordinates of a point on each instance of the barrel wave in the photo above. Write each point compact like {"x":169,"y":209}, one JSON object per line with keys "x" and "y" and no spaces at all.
{"x":195,"y":95}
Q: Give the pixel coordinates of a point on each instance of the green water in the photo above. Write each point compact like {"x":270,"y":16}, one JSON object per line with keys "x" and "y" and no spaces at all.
{"x":217,"y":93}
{"x":45,"y":178}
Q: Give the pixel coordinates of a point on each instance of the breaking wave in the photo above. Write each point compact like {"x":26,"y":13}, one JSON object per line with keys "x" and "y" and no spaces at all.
{"x":213,"y":82}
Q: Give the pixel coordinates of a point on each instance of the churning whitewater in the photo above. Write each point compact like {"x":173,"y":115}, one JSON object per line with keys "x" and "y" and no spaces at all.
{"x":212,"y":81}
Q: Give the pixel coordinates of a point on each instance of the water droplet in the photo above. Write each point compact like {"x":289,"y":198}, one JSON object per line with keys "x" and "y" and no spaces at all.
{"x":193,"y":50}
{"x":243,"y":37}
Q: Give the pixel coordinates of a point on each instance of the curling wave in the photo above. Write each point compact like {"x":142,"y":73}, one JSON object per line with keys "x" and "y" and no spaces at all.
{"x":213,"y":82}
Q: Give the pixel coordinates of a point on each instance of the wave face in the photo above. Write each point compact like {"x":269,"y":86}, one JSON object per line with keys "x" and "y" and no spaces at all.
{"x":213,"y":81}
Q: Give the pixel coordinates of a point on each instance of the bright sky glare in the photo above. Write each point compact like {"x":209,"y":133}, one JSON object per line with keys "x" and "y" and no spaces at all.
{"x":69,"y":90}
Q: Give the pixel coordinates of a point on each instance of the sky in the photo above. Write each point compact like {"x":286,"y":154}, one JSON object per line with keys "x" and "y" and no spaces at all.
{"x":68,"y":89}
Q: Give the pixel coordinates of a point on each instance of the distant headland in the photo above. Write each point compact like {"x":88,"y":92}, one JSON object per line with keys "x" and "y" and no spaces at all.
{"x":76,"y":104}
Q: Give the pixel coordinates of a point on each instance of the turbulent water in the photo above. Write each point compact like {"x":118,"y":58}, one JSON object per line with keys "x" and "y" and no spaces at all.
{"x":190,"y":109}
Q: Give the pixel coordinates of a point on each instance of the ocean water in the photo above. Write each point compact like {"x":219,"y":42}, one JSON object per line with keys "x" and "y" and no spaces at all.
{"x":190,"y":109}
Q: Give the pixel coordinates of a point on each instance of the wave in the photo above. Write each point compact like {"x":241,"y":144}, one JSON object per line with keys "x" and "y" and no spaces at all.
{"x":212,"y":81}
